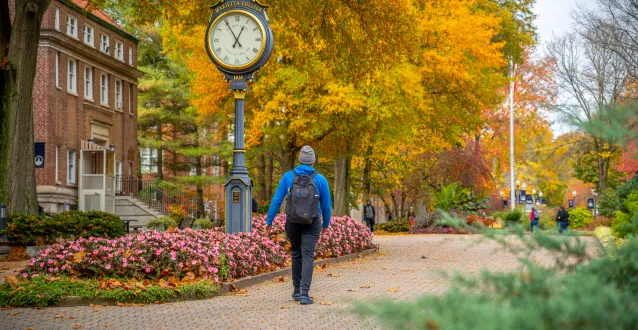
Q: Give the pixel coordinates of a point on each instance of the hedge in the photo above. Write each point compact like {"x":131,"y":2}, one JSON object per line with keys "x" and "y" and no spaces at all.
{"x":47,"y":228}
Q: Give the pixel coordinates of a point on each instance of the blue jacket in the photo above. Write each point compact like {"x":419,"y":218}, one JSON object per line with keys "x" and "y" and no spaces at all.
{"x":325,"y":206}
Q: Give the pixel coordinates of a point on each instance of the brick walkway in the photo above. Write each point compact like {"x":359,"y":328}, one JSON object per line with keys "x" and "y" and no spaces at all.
{"x":399,"y":271}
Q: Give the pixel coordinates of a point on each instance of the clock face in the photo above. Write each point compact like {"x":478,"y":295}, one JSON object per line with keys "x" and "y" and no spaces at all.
{"x":236,"y":40}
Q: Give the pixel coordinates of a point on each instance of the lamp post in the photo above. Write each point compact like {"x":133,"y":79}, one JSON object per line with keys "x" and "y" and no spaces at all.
{"x":516,"y":193}
{"x":533,"y":196}
{"x":574,"y":194}
{"x":540,"y":195}
{"x":524,"y":192}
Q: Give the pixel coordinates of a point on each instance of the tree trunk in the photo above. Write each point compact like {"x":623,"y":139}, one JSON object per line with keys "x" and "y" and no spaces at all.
{"x":395,"y":206}
{"x":602,"y":169}
{"x":342,"y":186}
{"x":366,"y":177}
{"x":17,"y":168}
{"x":288,"y":157}
{"x":201,"y":211}
{"x":261,"y":176}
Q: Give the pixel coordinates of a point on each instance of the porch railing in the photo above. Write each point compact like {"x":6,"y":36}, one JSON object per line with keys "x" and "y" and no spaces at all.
{"x":159,"y":196}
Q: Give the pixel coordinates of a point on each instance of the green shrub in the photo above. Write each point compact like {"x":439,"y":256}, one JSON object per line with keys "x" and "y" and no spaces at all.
{"x":547,"y":221}
{"x":203,"y":224}
{"x":513,"y":217}
{"x":46,"y":228}
{"x":162,"y":223}
{"x":608,"y":203}
{"x":580,"y":217}
{"x":626,"y":220}
{"x":401,"y":226}
{"x":588,"y":293}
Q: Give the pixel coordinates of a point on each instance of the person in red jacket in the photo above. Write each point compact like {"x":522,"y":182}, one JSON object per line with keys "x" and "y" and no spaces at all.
{"x":534,"y":216}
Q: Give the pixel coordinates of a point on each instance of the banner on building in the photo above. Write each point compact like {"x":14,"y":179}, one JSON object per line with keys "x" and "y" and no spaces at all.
{"x":39,"y":155}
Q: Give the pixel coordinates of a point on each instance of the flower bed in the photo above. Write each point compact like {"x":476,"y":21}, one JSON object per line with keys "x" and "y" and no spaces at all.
{"x":196,"y":254}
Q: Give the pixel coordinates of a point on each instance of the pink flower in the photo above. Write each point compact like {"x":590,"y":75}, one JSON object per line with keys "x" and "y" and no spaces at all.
{"x":108,"y":266}
{"x":147,"y":269}
{"x":25,"y":275}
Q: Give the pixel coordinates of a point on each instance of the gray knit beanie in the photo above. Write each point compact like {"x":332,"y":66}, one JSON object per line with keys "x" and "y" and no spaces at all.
{"x":307,"y":155}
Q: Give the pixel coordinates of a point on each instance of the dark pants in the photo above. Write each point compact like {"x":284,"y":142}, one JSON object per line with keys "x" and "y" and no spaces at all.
{"x":533,"y":224}
{"x":370,"y":223}
{"x":562,"y":226}
{"x":303,"y":240}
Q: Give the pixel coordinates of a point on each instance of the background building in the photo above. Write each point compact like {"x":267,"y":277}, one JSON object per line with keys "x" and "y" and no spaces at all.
{"x":84,"y":98}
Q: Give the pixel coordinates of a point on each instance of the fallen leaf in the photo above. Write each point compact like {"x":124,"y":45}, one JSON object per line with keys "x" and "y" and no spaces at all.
{"x":59,"y":316}
{"x":432,"y":325}
{"x":285,"y":307}
{"x":79,"y":256}
{"x":233,"y":288}
{"x":365,"y":287}
{"x":333,"y":275}
{"x":313,"y":297}
{"x":127,"y":253}
{"x":14,"y":313}
{"x":78,"y":326}
{"x":53,"y":278}
{"x":30,"y":329}
{"x":352,"y":290}
{"x":107,"y":325}
{"x":16,"y":290}
{"x":326,"y":303}
{"x":162,"y":284}
{"x":424,"y":257}
{"x":393,"y":289}
{"x":12,"y":280}
{"x":324,"y":266}
{"x":281,"y":279}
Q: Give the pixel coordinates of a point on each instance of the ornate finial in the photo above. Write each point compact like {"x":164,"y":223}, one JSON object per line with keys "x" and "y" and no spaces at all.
{"x":240,"y":94}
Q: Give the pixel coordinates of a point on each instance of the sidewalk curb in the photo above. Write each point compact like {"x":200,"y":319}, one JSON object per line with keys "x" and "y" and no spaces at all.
{"x":74,"y":301}
{"x":252,"y":280}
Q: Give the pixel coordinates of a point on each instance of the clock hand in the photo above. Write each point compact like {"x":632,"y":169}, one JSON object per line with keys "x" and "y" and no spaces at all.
{"x":239,"y":35}
{"x":231,"y":31}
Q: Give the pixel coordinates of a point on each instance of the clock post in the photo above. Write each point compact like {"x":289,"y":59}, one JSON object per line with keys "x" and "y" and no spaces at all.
{"x":239,"y":42}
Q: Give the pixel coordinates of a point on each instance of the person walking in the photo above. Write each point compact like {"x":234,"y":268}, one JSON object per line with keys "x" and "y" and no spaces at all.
{"x":368,"y":215}
{"x":411,"y":217}
{"x":534,"y":217}
{"x":562,"y":218}
{"x":307,"y":202}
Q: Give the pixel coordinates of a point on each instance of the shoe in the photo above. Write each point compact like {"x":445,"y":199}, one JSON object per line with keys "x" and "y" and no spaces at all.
{"x":304,"y":299}
{"x":296,"y":296}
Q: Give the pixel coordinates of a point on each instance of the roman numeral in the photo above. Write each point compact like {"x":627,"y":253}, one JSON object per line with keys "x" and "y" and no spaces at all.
{"x":216,"y":40}
{"x":218,"y":29}
{"x":255,"y":29}
{"x":219,"y":50}
{"x":257,"y":39}
{"x":236,"y":18}
{"x":255,"y":50}
{"x":247,"y":59}
{"x":236,"y":61}
{"x":226,"y":58}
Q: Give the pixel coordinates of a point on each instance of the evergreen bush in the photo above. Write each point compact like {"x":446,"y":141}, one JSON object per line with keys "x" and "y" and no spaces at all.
{"x":609,"y":203}
{"x":47,"y":228}
{"x":577,"y":291}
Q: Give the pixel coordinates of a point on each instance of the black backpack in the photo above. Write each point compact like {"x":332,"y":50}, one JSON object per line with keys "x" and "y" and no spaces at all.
{"x":302,"y":205}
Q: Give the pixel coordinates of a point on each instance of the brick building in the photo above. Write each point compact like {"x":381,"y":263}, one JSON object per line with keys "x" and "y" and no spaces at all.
{"x":84,"y":105}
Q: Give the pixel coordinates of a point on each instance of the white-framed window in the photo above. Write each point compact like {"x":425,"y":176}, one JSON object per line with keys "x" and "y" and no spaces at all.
{"x":130,"y":98}
{"x":119,"y":50}
{"x":88,"y":83}
{"x":104,"y":89}
{"x":72,"y":26}
{"x":57,"y":18}
{"x":118,"y":94}
{"x":215,"y":171}
{"x":57,"y":69}
{"x":72,"y":82}
{"x":148,"y":159}
{"x":193,"y":170}
{"x":70,"y":175}
{"x":104,"y":43}
{"x":57,"y":163}
{"x":89,"y":36}
{"x":130,"y":56}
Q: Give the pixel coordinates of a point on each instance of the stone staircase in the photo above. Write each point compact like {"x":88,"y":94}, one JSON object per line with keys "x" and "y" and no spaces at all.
{"x":131,"y":208}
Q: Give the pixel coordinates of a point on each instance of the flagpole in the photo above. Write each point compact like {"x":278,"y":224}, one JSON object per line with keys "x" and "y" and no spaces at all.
{"x":511,"y":103}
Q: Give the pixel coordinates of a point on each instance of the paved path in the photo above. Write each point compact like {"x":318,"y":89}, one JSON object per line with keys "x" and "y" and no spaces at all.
{"x":399,"y":271}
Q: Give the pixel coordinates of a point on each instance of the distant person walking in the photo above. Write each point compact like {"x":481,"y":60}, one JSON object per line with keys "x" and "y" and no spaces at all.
{"x":411,"y":216}
{"x":534,"y":217}
{"x":368,"y":215}
{"x":308,"y":200}
{"x":562,"y":218}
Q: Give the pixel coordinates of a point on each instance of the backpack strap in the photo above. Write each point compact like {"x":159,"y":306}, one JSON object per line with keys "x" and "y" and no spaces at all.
{"x":312,"y":176}
{"x":295,"y":173}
